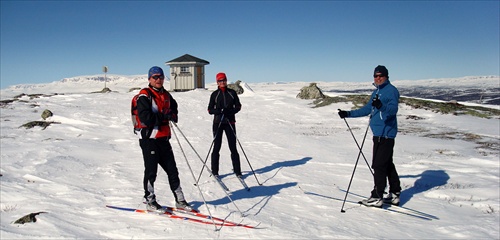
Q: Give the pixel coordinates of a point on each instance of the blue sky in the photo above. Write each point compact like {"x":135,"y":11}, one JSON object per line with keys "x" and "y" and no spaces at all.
{"x":252,"y":41}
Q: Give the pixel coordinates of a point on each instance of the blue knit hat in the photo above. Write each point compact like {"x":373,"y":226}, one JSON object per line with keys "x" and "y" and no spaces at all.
{"x":155,"y":70}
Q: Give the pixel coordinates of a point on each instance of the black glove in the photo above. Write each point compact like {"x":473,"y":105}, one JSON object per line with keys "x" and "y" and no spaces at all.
{"x":343,"y":114}
{"x":172,"y":117}
{"x":377,"y":103}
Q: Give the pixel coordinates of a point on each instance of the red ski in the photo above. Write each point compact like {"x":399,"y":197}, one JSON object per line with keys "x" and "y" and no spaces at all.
{"x":176,"y":213}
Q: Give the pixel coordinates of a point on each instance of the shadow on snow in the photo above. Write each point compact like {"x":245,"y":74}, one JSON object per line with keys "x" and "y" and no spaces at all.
{"x":427,"y":180}
{"x":266,"y":192}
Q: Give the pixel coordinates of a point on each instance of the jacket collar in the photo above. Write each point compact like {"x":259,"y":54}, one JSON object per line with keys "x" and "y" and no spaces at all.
{"x":157,"y":89}
{"x":382,"y":85}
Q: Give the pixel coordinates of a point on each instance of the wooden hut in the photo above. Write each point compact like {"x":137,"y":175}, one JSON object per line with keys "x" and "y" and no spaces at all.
{"x":187,"y":73}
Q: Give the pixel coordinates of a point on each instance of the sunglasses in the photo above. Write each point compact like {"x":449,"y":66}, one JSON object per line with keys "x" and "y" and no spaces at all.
{"x":223,"y":80}
{"x":156,"y":77}
{"x":376,"y":76}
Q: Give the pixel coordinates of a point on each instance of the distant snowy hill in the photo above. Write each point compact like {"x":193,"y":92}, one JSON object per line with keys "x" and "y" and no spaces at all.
{"x":79,"y":84}
{"x":474,"y":89}
{"x":468,"y":89}
{"x":304,"y":157}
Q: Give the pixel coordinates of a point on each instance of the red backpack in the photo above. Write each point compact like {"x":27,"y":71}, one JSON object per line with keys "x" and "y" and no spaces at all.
{"x":133,"y":109}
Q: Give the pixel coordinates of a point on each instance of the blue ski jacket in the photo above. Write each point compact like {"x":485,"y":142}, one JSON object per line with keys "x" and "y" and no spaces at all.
{"x":383,"y":121}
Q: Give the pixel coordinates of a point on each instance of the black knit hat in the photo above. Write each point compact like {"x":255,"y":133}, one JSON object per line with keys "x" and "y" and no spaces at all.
{"x":382,"y":70}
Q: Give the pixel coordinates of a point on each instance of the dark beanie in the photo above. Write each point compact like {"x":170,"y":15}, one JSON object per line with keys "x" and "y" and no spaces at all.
{"x":382,"y":70}
{"x":155,"y":70}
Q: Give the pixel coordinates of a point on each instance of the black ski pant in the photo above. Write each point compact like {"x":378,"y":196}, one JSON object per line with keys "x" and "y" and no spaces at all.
{"x":158,"y":152}
{"x":383,"y":167}
{"x":228,"y":128}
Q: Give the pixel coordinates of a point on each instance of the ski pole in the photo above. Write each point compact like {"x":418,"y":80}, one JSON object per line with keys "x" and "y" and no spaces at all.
{"x":230,"y":199}
{"x":209,"y":150}
{"x":208,"y":154}
{"x":357,"y":160}
{"x":191,"y":170}
{"x":360,"y":148}
{"x":248,"y":161}
{"x":204,"y":163}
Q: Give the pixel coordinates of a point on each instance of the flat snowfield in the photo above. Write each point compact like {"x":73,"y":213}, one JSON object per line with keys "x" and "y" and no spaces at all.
{"x":303,"y":156}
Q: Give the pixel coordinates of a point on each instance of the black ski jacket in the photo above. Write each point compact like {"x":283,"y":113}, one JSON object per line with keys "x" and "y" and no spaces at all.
{"x":224,"y":104}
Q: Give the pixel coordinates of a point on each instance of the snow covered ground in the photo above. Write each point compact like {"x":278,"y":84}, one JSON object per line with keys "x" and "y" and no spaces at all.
{"x":303,"y":156}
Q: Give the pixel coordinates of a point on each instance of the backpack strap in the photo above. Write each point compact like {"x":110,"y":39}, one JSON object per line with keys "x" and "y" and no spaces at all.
{"x":230,"y":94}
{"x":150,"y":96}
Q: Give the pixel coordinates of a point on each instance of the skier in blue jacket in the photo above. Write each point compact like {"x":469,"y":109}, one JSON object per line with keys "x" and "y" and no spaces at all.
{"x":382,"y":109}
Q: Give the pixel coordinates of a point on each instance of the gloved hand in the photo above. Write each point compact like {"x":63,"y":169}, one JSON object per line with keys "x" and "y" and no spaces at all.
{"x":377,"y":103}
{"x":172,"y":117}
{"x":343,"y":114}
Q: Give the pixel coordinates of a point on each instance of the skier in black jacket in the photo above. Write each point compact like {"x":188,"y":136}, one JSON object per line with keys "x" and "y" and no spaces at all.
{"x":224,"y":104}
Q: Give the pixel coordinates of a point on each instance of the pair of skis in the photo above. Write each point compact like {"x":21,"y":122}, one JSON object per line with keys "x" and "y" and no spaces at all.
{"x":395,"y":208}
{"x":193,"y":215}
{"x":190,"y":216}
{"x":386,"y":207}
{"x":223,"y":185}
